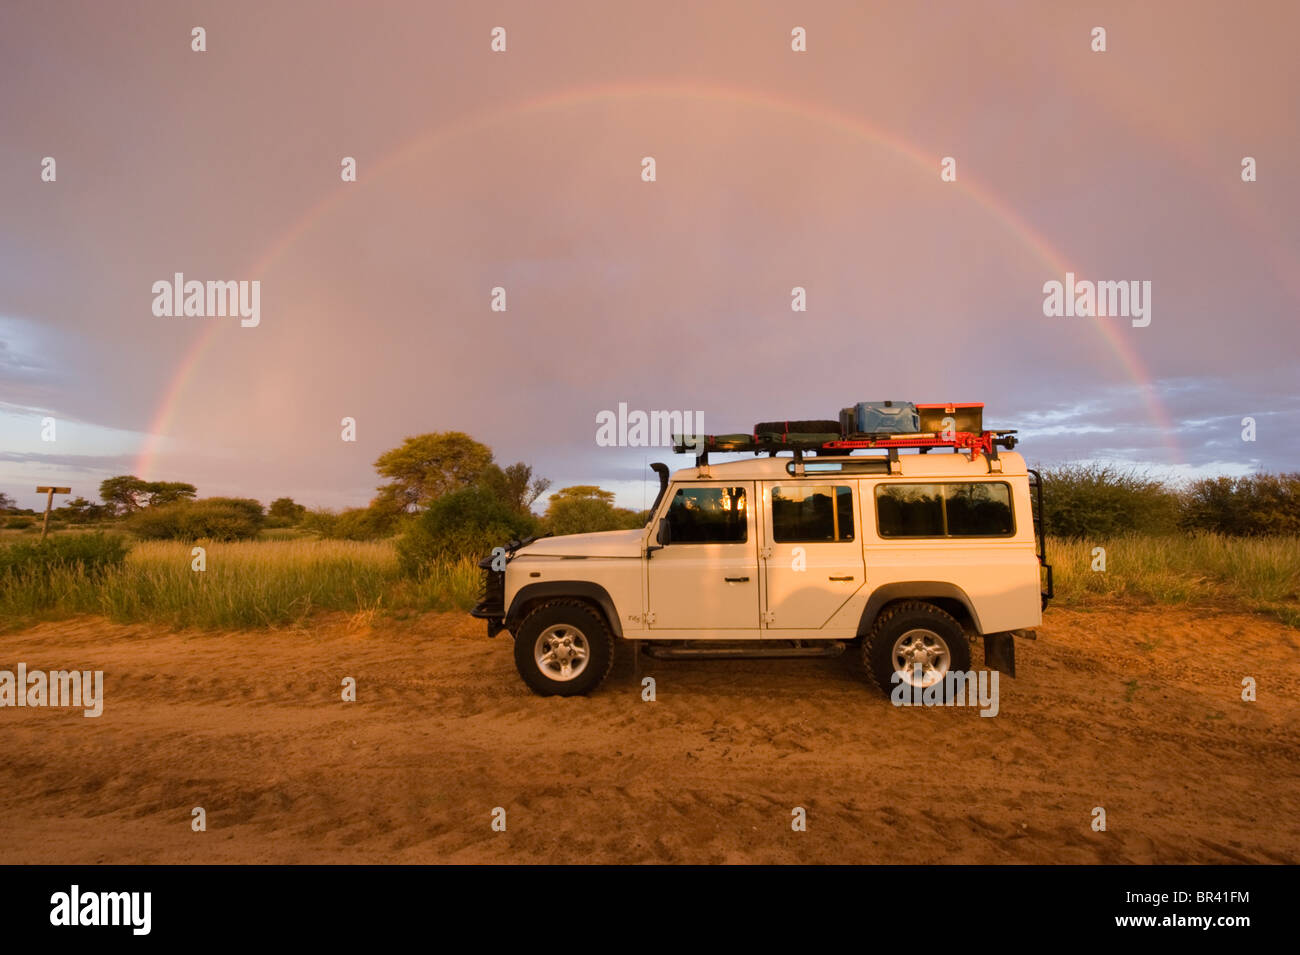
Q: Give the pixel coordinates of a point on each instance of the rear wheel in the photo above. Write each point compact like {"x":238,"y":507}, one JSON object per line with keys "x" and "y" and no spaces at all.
{"x":914,"y":643}
{"x":563,"y":648}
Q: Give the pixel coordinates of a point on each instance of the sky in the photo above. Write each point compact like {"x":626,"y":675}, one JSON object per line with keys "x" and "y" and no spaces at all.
{"x":774,"y":169}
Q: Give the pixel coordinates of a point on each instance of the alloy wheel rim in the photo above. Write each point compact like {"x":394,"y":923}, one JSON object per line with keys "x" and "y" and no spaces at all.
{"x":923,"y":649}
{"x":561,"y":652}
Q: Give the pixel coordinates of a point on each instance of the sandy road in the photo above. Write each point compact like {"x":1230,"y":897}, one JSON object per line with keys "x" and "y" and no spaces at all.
{"x":251,"y":727}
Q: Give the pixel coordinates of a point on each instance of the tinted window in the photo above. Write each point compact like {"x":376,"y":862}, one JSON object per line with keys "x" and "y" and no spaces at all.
{"x":974,"y":509}
{"x":708,"y":515}
{"x":979,"y":510}
{"x":909,"y":510}
{"x":803,"y":513}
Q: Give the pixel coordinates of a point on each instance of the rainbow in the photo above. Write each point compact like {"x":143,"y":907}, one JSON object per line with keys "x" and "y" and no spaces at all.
{"x":852,"y":126}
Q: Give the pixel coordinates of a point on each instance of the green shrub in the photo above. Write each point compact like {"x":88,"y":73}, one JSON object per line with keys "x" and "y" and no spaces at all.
{"x":1258,"y":505}
{"x":213,"y":518}
{"x":1093,"y":502}
{"x":91,"y":553}
{"x":363,"y":524}
{"x":20,"y":523}
{"x":462,"y":524}
{"x":283,"y":512}
{"x":586,"y":515}
{"x":353,"y":523}
{"x":319,"y":520}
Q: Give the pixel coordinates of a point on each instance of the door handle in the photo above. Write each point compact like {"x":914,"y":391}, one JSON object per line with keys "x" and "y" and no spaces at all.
{"x":840,"y":578}
{"x":736,"y":580}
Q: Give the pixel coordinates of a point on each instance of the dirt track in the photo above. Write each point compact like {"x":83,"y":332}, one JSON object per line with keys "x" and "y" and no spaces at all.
{"x":250,"y":726}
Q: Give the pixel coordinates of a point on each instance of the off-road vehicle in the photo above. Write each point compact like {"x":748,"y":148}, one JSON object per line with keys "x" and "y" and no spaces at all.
{"x":821,"y":543}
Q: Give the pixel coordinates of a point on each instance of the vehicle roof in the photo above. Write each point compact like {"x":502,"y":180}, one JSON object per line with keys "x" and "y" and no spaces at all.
{"x":914,"y":465}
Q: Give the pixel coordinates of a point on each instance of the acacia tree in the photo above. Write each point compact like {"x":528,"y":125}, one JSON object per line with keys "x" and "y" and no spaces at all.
{"x":584,"y":508}
{"x":122,"y":494}
{"x":126,"y":493}
{"x":159,"y":493}
{"x":427,"y":466}
{"x":582,"y":492}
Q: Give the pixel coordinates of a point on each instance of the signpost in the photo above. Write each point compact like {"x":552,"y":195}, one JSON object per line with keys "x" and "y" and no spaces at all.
{"x":49,"y":502}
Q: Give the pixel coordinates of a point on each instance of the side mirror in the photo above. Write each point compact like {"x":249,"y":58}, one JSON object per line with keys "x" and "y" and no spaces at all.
{"x":664,"y":533}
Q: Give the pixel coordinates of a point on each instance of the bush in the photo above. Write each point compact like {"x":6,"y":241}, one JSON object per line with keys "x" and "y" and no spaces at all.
{"x":20,"y":523}
{"x":461,"y":524}
{"x":283,"y":512}
{"x":1255,"y":506}
{"x":1096,"y":502}
{"x":320,"y":521}
{"x":92,"y":553}
{"x":354,"y":523}
{"x":363,"y":524}
{"x":586,"y":515}
{"x":213,"y":518}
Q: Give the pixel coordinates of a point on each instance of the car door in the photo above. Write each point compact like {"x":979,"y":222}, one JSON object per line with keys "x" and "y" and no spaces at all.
{"x":813,"y":552}
{"x":706,"y":577}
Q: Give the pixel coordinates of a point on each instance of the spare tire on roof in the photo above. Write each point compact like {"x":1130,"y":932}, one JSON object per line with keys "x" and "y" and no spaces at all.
{"x":798,"y":427}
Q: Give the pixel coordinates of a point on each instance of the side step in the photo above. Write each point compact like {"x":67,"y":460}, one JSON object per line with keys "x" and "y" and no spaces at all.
{"x":831,"y":648}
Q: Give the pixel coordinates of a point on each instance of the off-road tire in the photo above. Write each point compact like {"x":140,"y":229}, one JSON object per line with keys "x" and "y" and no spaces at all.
{"x":797,"y":427}
{"x":877,"y":658}
{"x":552,"y":618}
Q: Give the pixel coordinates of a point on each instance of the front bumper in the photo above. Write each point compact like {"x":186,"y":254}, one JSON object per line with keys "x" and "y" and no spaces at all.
{"x":491,"y":604}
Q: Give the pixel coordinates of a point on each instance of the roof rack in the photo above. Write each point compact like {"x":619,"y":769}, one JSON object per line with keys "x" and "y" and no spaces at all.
{"x":939,"y":419}
{"x":981,"y":442}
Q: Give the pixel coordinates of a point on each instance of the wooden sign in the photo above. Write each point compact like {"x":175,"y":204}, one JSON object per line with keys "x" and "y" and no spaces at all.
{"x":49,"y":493}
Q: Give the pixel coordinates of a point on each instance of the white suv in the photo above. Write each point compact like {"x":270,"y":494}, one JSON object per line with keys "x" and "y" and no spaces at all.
{"x":902,"y":559}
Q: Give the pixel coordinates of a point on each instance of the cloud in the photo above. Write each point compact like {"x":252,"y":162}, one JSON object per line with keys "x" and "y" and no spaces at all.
{"x":775,"y":170}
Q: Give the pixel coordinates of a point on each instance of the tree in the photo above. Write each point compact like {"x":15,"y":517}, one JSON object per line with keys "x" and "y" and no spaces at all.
{"x":127,"y":493}
{"x":7,"y":503}
{"x":160,"y":493}
{"x":582,"y":492}
{"x":283,"y":509}
{"x":464,"y":523}
{"x":584,"y":508}
{"x":122,"y":494}
{"x":81,"y":511}
{"x":515,"y":485}
{"x":428,"y":466}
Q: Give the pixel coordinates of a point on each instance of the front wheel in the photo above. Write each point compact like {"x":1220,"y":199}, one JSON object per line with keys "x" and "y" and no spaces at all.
{"x":563,"y":648}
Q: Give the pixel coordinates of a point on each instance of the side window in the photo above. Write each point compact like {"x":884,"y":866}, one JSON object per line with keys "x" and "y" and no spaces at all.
{"x":979,"y":510}
{"x":708,"y":515}
{"x":974,"y":509}
{"x":812,"y":513}
{"x":909,"y":510}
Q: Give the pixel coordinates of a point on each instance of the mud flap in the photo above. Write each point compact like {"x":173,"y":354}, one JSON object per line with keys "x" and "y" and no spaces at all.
{"x":1000,"y":652}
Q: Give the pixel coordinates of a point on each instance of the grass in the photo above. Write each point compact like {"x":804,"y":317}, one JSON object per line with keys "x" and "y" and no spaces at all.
{"x":285,"y":579}
{"x":248,"y":584}
{"x":1258,"y":574}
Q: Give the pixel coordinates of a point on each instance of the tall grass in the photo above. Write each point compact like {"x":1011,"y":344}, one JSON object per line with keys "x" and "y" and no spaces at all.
{"x":245,"y":584}
{"x":1260,"y":574}
{"x":269,"y":583}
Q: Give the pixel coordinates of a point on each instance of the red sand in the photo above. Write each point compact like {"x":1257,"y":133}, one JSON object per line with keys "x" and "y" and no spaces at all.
{"x":251,"y":727}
